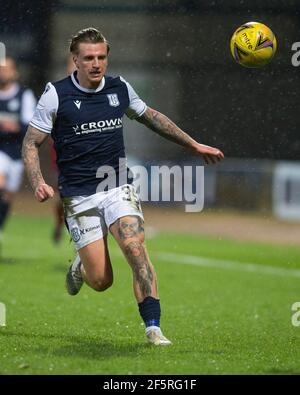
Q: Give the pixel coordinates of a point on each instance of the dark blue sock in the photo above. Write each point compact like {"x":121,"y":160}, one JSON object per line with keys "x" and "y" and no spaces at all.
{"x":150,"y":311}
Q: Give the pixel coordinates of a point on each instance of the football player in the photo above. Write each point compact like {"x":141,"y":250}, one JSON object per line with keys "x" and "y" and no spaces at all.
{"x":83,"y":113}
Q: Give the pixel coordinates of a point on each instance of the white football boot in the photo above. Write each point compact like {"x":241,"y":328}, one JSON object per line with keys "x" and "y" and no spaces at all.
{"x":155,"y":336}
{"x":74,"y":278}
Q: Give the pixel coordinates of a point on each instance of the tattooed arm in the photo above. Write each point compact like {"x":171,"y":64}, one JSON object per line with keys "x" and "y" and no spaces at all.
{"x":31,"y":143}
{"x":163,"y":126}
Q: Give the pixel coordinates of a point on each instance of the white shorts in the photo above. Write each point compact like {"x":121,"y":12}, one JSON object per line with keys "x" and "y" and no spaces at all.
{"x":89,"y":217}
{"x":12,"y":170}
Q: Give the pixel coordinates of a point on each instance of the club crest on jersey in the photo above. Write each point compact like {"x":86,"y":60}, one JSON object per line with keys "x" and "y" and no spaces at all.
{"x":113,"y":100}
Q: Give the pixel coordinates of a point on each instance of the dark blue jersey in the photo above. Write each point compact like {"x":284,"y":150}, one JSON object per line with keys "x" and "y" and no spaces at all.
{"x":87,"y":128}
{"x":16,"y":107}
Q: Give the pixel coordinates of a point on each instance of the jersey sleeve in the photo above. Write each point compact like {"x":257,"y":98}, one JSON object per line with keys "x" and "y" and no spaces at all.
{"x":45,"y":113}
{"x":28,"y":106}
{"x":136,"y":106}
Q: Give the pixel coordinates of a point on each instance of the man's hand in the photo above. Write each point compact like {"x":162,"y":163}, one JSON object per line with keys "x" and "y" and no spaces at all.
{"x":210,"y":154}
{"x":43,"y":192}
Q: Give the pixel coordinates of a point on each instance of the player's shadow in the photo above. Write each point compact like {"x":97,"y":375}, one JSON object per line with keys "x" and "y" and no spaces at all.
{"x":79,"y":346}
{"x":100,"y":349}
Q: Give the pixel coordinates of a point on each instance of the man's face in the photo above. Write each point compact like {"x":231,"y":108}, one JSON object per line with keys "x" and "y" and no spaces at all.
{"x":91,"y":63}
{"x":8,"y":73}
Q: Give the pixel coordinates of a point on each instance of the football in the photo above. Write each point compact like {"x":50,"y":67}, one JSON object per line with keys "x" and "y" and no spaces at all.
{"x":253,"y":44}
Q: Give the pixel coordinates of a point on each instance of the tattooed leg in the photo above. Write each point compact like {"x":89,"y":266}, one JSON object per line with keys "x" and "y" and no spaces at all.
{"x":141,"y":267}
{"x":129,"y":233}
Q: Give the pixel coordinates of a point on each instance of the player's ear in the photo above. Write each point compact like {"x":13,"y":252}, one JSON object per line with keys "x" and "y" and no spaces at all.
{"x":75,"y":60}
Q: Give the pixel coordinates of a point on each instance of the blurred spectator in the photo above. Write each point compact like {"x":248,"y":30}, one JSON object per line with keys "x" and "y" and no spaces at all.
{"x":17,"y":105}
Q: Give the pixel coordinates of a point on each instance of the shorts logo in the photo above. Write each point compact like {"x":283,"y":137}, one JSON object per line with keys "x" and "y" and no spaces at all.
{"x":113,"y":100}
{"x":75,"y":234}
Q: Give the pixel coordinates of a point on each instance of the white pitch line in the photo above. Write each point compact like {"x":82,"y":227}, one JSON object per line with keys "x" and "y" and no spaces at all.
{"x":225,"y":264}
{"x":220,"y":263}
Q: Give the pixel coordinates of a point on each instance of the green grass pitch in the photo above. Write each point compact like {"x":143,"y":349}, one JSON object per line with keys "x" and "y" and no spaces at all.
{"x":222,"y":320}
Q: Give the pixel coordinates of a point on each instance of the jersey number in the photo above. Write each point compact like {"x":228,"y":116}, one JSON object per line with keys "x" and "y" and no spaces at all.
{"x":131,"y":196}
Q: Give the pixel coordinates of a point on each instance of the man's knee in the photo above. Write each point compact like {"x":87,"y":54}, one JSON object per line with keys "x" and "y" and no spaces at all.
{"x":135,"y":250}
{"x":101,"y":284}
